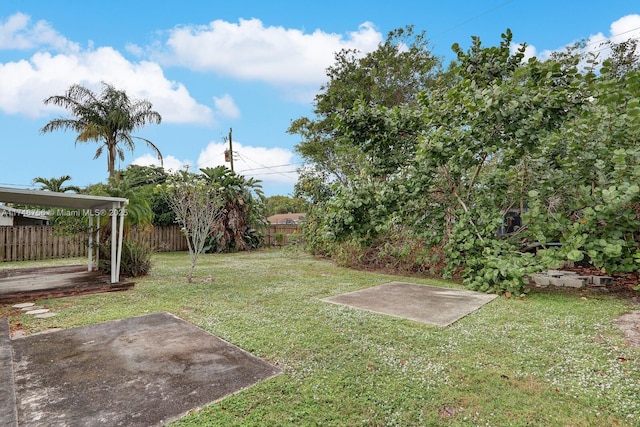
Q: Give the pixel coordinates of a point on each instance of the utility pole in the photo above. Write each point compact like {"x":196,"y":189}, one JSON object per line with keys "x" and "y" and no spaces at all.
{"x":228,"y":154}
{"x":231,"y":148}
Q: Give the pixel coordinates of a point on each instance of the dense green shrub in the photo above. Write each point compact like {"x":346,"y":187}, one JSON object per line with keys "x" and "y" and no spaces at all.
{"x":552,"y":142}
{"x":135,"y":262}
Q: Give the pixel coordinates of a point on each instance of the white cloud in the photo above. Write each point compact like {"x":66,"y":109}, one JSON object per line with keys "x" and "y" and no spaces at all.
{"x":625,"y":28}
{"x":270,"y":165}
{"x":25,"y":84}
{"x":249,"y":50}
{"x":226,"y":107}
{"x":134,"y":49}
{"x":529,"y":51}
{"x":17,"y":33}
{"x":170,"y":163}
{"x":620,"y":30}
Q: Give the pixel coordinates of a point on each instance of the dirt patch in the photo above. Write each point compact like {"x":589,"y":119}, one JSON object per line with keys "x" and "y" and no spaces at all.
{"x":630,"y":325}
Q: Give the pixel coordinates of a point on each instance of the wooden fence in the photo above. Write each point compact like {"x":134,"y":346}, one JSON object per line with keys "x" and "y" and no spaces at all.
{"x":161,"y":239}
{"x":282,"y":234}
{"x":33,"y":242}
{"x":37,"y":242}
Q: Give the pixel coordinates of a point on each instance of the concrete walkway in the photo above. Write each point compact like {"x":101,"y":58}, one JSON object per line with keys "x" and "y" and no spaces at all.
{"x":8,"y":414}
{"x":426,"y":304}
{"x":141,"y":371}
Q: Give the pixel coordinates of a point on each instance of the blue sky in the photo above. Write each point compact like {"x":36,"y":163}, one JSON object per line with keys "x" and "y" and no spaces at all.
{"x":254,"y":66}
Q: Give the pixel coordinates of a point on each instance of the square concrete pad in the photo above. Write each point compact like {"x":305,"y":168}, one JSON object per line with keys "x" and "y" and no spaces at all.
{"x":141,"y":371}
{"x":427,"y":304}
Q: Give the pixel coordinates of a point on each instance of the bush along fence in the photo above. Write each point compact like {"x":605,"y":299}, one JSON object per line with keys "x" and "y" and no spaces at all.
{"x":37,"y":242}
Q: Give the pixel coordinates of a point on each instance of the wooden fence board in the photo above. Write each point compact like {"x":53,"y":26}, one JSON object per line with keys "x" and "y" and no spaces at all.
{"x":37,"y":242}
{"x":290,"y":233}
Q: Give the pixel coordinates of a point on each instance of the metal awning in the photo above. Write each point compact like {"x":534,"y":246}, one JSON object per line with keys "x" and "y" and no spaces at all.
{"x":96,"y":205}
{"x":58,"y":200}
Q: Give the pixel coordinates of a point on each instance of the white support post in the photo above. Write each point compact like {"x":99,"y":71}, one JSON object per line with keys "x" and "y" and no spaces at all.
{"x":90,"y":250}
{"x":120,"y":213}
{"x":98,"y":245}
{"x":114,"y":248}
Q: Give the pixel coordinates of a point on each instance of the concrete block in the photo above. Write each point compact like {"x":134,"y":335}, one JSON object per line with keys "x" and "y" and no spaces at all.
{"x":601,"y":280}
{"x":555,"y":273}
{"x":571,"y":282}
{"x":555,"y":281}
{"x":540,"y":280}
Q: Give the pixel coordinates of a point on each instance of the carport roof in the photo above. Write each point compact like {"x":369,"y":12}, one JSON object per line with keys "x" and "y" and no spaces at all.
{"x":59,"y":200}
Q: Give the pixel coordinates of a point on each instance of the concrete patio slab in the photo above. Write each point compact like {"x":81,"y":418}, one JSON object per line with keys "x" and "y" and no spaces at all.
{"x":29,"y":284}
{"x":8,"y":414}
{"x":427,"y":304}
{"x":141,"y":371}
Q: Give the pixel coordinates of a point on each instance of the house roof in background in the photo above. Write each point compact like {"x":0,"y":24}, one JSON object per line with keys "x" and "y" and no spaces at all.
{"x":288,"y":218}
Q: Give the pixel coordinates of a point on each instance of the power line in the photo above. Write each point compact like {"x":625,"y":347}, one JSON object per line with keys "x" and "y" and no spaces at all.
{"x":473,"y":18}
{"x":264,"y":167}
{"x":15,"y":185}
{"x":276,"y":173}
{"x":613,"y":36}
{"x":274,"y":166}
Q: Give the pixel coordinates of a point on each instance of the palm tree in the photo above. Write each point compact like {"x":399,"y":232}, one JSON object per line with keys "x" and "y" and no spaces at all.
{"x":243,"y":207}
{"x":107,"y":118}
{"x":56,"y":184}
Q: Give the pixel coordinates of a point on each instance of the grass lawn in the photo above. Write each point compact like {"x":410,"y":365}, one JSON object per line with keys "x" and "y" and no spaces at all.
{"x":550,"y":359}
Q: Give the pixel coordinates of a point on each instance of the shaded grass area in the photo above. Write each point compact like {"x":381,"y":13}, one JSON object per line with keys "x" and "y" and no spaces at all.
{"x":547,"y":359}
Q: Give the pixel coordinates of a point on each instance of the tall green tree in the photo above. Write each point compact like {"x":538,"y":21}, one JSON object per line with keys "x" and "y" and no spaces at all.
{"x":147,"y":182}
{"x":244,"y":211}
{"x":482,"y":135}
{"x":285,"y":204}
{"x":588,"y":195}
{"x":496,"y":136}
{"x":108,"y":118}
{"x":392,"y":75}
{"x":56,"y":184}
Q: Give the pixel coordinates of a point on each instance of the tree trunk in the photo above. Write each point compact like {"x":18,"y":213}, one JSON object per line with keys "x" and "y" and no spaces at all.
{"x":111,"y":161}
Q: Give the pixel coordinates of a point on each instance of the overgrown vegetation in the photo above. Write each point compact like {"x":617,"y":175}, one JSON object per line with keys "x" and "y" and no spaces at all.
{"x":476,"y":166}
{"x":285,"y":204}
{"x":242,"y":226}
{"x":551,"y":359}
{"x":135,"y":261}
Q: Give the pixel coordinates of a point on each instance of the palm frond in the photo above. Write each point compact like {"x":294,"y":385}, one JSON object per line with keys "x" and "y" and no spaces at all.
{"x":108,"y":118}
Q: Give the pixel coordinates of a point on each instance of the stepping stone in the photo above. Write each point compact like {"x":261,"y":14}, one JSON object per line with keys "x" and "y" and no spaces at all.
{"x":31,"y":308}
{"x":45,"y":315}
{"x":40,"y":311}
{"x":23,"y":305}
